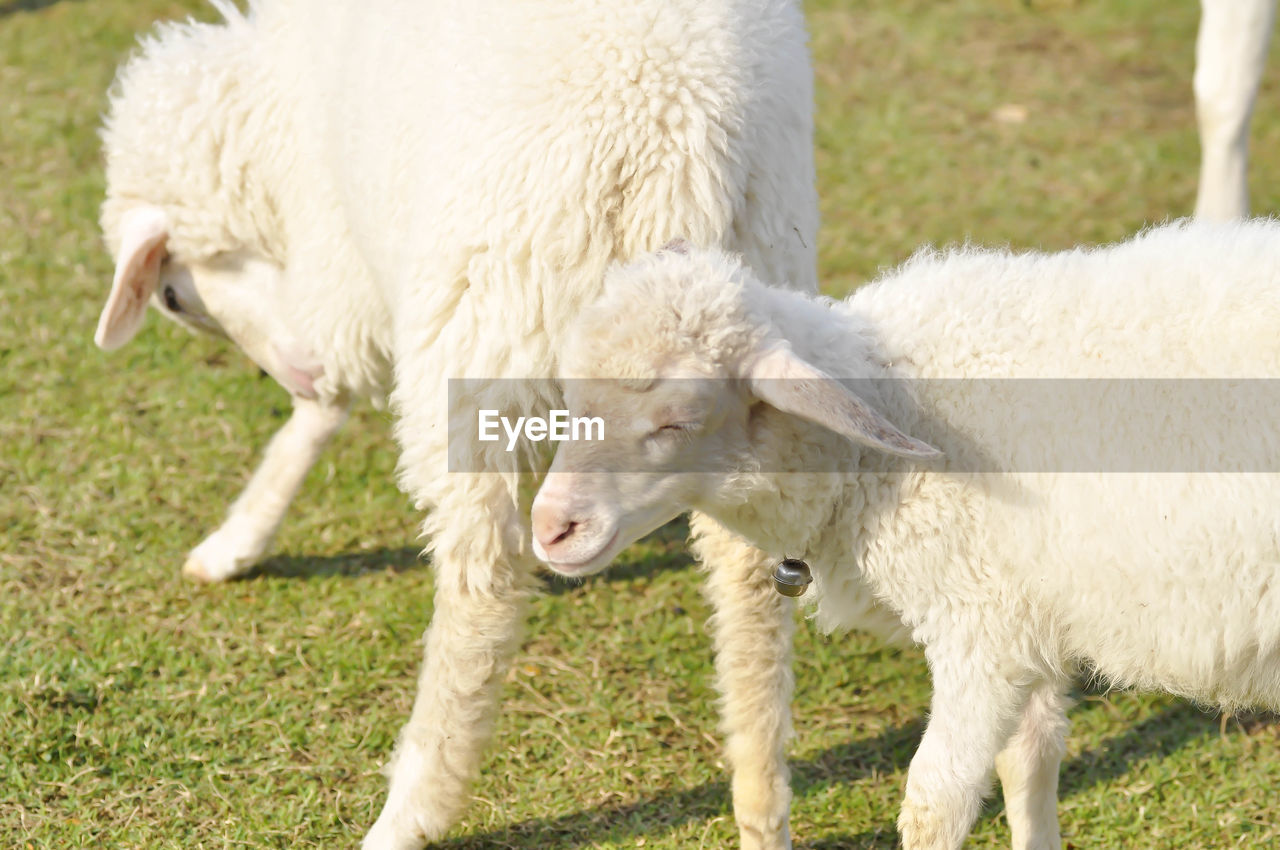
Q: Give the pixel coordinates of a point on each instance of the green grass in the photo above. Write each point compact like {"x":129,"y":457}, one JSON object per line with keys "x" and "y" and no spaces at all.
{"x":138,"y":710}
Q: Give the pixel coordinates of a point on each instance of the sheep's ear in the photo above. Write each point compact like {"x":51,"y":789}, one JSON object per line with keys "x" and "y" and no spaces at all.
{"x":795,"y":386}
{"x":143,"y":232}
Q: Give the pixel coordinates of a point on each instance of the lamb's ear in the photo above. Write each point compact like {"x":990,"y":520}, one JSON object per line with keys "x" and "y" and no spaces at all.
{"x":780,"y":378}
{"x":143,"y":232}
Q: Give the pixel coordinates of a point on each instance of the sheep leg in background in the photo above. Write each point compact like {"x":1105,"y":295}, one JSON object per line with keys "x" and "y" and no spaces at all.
{"x":752,"y":630}
{"x":1231,"y":50}
{"x":482,"y":592}
{"x":974,"y":711}
{"x":243,"y":538}
{"x":1028,"y":770}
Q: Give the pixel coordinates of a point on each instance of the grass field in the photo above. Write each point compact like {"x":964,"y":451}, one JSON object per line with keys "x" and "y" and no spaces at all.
{"x":137,"y":710}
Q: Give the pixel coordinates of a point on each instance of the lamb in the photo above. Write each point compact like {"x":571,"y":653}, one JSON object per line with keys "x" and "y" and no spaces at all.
{"x":1011,"y":559}
{"x":1231,"y":50}
{"x":431,"y":190}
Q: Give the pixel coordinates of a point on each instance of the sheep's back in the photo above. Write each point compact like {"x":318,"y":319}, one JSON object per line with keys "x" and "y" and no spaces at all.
{"x":1140,"y":542}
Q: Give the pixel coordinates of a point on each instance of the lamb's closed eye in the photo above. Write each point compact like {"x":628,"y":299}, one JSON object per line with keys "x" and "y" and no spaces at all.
{"x":673,"y":429}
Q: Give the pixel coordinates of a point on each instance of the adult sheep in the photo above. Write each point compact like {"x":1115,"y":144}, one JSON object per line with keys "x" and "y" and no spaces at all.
{"x":447,"y":182}
{"x":1124,"y":529}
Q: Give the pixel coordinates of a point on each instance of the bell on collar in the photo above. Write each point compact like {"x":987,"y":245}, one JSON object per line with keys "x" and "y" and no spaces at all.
{"x":792,"y":577}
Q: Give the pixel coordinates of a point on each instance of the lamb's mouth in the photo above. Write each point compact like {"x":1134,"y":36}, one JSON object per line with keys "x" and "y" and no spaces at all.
{"x":591,"y":564}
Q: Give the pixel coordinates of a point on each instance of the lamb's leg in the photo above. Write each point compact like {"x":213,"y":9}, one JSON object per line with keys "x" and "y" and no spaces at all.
{"x":1231,"y":49}
{"x":1028,"y":770}
{"x":974,"y":710}
{"x":481,"y":594}
{"x":751,"y":628}
{"x":243,"y":538}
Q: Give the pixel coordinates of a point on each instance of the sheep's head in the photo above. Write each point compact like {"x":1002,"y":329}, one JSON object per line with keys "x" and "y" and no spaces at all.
{"x":679,"y":363}
{"x":188,"y":216}
{"x":231,"y":294}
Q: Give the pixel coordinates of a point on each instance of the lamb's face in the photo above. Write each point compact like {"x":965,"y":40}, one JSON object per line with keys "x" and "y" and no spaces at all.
{"x":666,"y":446}
{"x":233,"y":294}
{"x":648,"y":360}
{"x":679,"y":373}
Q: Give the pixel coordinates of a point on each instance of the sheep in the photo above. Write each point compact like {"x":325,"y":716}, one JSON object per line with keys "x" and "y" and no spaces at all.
{"x":1231,"y":50}
{"x":1017,"y":558}
{"x":431,"y":190}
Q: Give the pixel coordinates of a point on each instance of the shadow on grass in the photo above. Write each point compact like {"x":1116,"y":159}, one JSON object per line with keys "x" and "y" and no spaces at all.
{"x":11,"y":6}
{"x":624,"y":822}
{"x":882,"y":838}
{"x":1155,"y":738}
{"x":667,"y":551}
{"x":348,"y":565}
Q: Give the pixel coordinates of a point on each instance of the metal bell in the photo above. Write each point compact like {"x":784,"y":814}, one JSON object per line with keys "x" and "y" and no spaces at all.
{"x":792,"y":577}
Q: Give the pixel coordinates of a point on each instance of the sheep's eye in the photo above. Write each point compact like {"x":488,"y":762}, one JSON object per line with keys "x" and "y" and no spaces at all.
{"x":171,"y":300}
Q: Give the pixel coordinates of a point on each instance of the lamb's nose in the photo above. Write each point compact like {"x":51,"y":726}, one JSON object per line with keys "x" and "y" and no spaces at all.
{"x":551,"y":524}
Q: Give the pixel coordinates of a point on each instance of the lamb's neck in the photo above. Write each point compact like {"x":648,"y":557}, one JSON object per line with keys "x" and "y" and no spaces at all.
{"x":831,"y":522}
{"x":810,"y":480}
{"x":785,"y":515}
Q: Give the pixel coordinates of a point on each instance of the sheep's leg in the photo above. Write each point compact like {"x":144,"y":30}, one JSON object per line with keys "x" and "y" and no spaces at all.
{"x":973,"y":713}
{"x":243,"y":538}
{"x":751,"y":628}
{"x":1231,"y":49}
{"x":480,"y":601}
{"x":1028,"y":770}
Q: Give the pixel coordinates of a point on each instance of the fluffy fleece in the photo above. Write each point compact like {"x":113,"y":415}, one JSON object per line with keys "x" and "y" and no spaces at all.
{"x":1014,"y":578}
{"x":441,"y":186}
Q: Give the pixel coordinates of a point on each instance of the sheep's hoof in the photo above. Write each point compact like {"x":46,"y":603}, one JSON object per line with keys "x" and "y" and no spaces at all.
{"x":220,"y":557}
{"x":195,"y":569}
